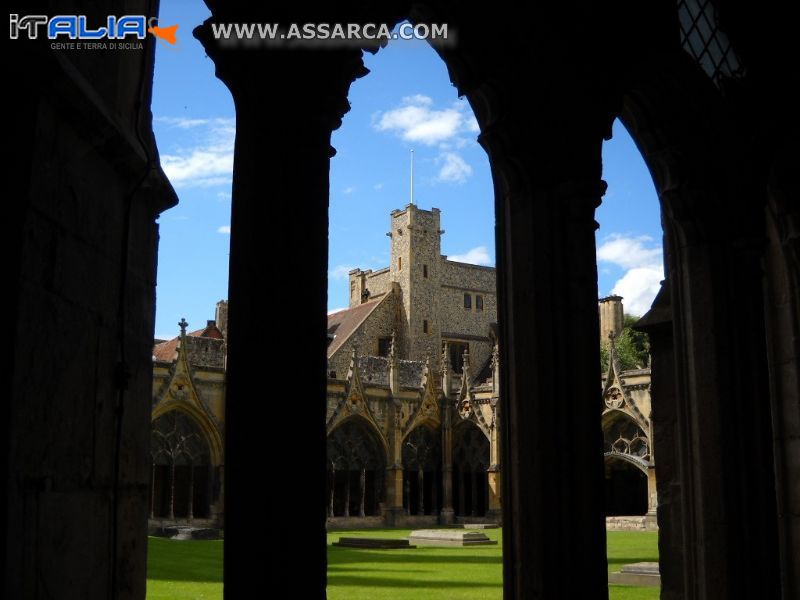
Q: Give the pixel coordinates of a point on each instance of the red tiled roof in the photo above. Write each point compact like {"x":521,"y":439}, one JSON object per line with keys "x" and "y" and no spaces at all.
{"x":343,"y":323}
{"x":167,"y":351}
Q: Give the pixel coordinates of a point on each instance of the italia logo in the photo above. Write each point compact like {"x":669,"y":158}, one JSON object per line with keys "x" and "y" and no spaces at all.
{"x":75,"y":27}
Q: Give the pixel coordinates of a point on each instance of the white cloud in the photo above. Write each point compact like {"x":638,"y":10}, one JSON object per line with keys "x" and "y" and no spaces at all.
{"x":644,"y":270}
{"x":224,"y":229}
{"x":417,"y":121}
{"x":183,"y":122}
{"x":377,"y":186}
{"x":638,"y":287}
{"x":454,"y":169}
{"x":348,"y":190}
{"x":207,"y":163}
{"x":339,"y":272}
{"x":419,"y":99}
{"x":476,"y":256}
{"x":449,"y":129}
{"x":224,"y":195}
{"x":629,"y":252}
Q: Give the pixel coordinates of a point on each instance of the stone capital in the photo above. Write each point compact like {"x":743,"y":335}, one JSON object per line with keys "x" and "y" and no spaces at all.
{"x":293,"y":88}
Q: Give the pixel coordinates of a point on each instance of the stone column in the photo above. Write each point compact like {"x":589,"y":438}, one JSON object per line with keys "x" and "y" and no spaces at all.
{"x":190,"y":515}
{"x":652,"y":495}
{"x":548,"y":320}
{"x":346,"y":494}
{"x":288,"y":101}
{"x":171,"y":514}
{"x":333,"y":490}
{"x":493,"y":482}
{"x":782,"y":294}
{"x":474,"y":493}
{"x":394,"y":472}
{"x":447,"y":514}
{"x":434,"y":494}
{"x":657,"y":323}
{"x":363,"y":484}
{"x":421,"y":491}
{"x":461,"y":493}
{"x":493,"y":476}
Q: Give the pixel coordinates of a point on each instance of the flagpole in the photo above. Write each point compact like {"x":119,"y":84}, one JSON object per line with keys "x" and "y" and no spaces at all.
{"x":412,"y":176}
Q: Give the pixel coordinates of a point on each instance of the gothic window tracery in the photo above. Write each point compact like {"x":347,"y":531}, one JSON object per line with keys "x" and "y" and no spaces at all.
{"x":624,"y":436}
{"x":176,"y":439}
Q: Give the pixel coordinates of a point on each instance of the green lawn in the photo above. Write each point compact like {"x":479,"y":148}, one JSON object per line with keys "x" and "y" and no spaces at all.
{"x":179,"y":570}
{"x":184,"y":569}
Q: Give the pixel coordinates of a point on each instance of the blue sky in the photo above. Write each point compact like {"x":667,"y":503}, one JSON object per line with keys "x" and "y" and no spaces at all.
{"x":406,"y":102}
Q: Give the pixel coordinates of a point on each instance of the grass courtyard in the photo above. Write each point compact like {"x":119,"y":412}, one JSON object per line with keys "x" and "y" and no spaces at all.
{"x":192,"y":570}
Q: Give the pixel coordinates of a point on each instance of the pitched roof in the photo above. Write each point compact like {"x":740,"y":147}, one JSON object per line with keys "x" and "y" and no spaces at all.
{"x":168,"y":351}
{"x":342,"y":324}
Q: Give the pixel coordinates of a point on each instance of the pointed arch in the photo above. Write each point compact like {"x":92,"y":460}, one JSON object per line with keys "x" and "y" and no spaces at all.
{"x":210,"y":432}
{"x":370,"y":429}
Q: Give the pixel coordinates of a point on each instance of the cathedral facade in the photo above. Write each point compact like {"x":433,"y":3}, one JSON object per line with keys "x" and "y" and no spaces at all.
{"x":412,"y":400}
{"x":413,"y":394}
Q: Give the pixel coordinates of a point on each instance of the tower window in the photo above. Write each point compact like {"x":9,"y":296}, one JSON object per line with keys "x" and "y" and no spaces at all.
{"x":399,"y":263}
{"x":425,"y":271}
{"x":425,"y":326}
{"x":467,"y":301}
{"x":478,"y":302}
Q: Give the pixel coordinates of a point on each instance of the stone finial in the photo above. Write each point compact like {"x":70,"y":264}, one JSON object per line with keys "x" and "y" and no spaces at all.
{"x":393,"y":346}
{"x":183,"y":325}
{"x":352,"y":370}
{"x":394,"y":369}
{"x":445,"y":357}
{"x":465,"y":374}
{"x":496,"y":369}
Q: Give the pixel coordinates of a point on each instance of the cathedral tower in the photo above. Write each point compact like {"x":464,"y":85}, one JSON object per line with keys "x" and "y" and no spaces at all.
{"x":415,"y":261}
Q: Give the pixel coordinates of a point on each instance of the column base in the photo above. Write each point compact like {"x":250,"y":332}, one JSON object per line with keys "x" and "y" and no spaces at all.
{"x":495,"y":514}
{"x":392,"y":516}
{"x":447,"y":516}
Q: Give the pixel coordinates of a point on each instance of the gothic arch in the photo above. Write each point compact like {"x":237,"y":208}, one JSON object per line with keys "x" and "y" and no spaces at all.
{"x":623,"y":435}
{"x":368,"y":429}
{"x":427,"y":422}
{"x":471,"y":461}
{"x":636,"y":462}
{"x":356,"y":463}
{"x":460,"y":428}
{"x":712,"y":198}
{"x":626,"y":491}
{"x":182,"y":479}
{"x":201,"y":419}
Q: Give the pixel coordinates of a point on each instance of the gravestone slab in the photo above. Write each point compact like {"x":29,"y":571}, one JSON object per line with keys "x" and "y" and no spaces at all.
{"x":642,"y":573}
{"x":449,"y":537}
{"x":373,"y":543}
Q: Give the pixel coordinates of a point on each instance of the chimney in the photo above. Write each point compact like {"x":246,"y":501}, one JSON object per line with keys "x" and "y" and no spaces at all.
{"x":611,"y":316}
